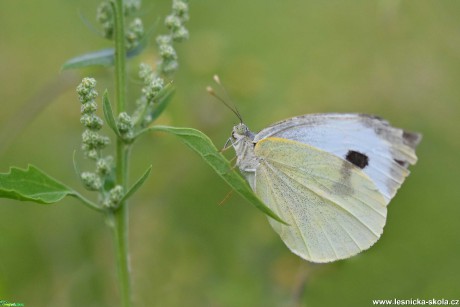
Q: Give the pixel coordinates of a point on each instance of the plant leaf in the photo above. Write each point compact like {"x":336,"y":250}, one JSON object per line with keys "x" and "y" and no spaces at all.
{"x":137,"y":184}
{"x":108,"y":113}
{"x":34,"y":185}
{"x":202,"y":145}
{"x":164,"y":97}
{"x":104,"y":57}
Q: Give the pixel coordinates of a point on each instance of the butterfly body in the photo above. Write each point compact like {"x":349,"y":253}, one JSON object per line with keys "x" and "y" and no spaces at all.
{"x":329,"y":176}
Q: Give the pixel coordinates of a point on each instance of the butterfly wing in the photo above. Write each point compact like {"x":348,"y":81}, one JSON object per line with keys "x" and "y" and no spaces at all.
{"x":388,"y":150}
{"x":334,"y":210}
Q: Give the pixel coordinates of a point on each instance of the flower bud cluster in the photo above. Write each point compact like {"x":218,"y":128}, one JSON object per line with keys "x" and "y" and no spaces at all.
{"x":92,"y":141}
{"x":175,"y":21}
{"x":105,"y":17}
{"x":91,"y":181}
{"x":113,"y":198}
{"x":134,"y":34}
{"x":177,"y":32}
{"x":134,"y":30}
{"x":125,"y":126}
{"x":104,"y":166}
{"x":153,"y":85}
{"x":131,"y":6}
{"x":152,"y":88}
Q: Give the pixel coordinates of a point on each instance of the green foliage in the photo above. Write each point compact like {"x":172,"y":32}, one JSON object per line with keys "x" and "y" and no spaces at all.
{"x":202,"y":145}
{"x":163,"y":99}
{"x":32,"y":184}
{"x":108,"y":180}
{"x":104,"y":57}
{"x":137,"y":184}
{"x":108,"y":113}
{"x":397,"y":59}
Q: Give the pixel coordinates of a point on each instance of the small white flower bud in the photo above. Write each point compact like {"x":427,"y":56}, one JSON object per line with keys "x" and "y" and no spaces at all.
{"x":167,"y":52}
{"x":91,"y":121}
{"x":152,"y":89}
{"x":116,"y":194}
{"x":131,"y":6}
{"x":86,"y":90}
{"x":180,"y":8}
{"x":125,"y":122}
{"x":134,"y":33}
{"x":173,"y":22}
{"x":91,"y":181}
{"x":146,"y":73}
{"x":105,"y":18}
{"x":89,"y":107}
{"x":104,"y":165}
{"x":94,"y":140}
{"x":169,"y":66}
{"x":164,"y":40}
{"x":92,"y":154}
{"x":180,"y":34}
{"x":114,"y":197}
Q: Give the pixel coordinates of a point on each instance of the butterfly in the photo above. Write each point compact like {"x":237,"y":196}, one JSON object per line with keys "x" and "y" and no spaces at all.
{"x":330,"y":177}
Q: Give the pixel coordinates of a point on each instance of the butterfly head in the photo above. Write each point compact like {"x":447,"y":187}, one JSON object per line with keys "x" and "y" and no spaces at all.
{"x":240,"y":134}
{"x":241,"y":131}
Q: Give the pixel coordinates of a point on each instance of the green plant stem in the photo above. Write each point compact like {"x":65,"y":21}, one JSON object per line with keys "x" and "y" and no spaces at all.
{"x":120,"y":232}
{"x":120,"y":225}
{"x":87,"y":202}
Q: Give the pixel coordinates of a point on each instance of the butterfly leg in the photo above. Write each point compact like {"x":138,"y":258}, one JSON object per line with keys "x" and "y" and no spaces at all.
{"x":227,"y":145}
{"x":226,"y":197}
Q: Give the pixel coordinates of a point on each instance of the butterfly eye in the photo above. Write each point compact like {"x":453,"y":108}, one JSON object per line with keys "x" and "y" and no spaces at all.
{"x":241,"y":129}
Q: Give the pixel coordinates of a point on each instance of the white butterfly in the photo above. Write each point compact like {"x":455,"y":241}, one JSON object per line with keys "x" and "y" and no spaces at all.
{"x":329,"y":176}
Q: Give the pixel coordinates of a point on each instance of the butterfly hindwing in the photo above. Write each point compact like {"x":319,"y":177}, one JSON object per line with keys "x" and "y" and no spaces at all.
{"x":334,"y":209}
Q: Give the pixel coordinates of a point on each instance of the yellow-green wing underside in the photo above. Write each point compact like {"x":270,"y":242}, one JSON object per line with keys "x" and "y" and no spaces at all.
{"x":333,"y":208}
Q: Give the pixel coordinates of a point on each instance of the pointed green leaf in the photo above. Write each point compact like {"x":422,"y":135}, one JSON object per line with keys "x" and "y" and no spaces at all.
{"x":137,"y":185}
{"x":202,"y":145}
{"x":34,"y":185}
{"x":164,"y":97}
{"x":104,"y":57}
{"x":108,"y":113}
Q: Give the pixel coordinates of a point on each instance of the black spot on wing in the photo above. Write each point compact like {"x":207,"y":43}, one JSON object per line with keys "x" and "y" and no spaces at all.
{"x":411,"y":139}
{"x":357,"y":158}
{"x":401,"y":162}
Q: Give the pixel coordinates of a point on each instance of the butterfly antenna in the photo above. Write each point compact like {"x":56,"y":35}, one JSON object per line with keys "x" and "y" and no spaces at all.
{"x":227,"y":98}
{"x":211,"y":91}
{"x":217,"y":80}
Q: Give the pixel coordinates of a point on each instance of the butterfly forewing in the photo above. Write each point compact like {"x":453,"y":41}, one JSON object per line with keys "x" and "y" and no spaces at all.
{"x":388,"y":150}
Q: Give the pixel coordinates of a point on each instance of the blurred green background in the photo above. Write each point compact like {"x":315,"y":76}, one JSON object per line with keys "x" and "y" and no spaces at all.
{"x":397,"y":59}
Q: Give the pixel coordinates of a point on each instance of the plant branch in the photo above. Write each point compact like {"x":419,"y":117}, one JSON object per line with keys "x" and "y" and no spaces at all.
{"x":120,"y":225}
{"x":87,"y":202}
